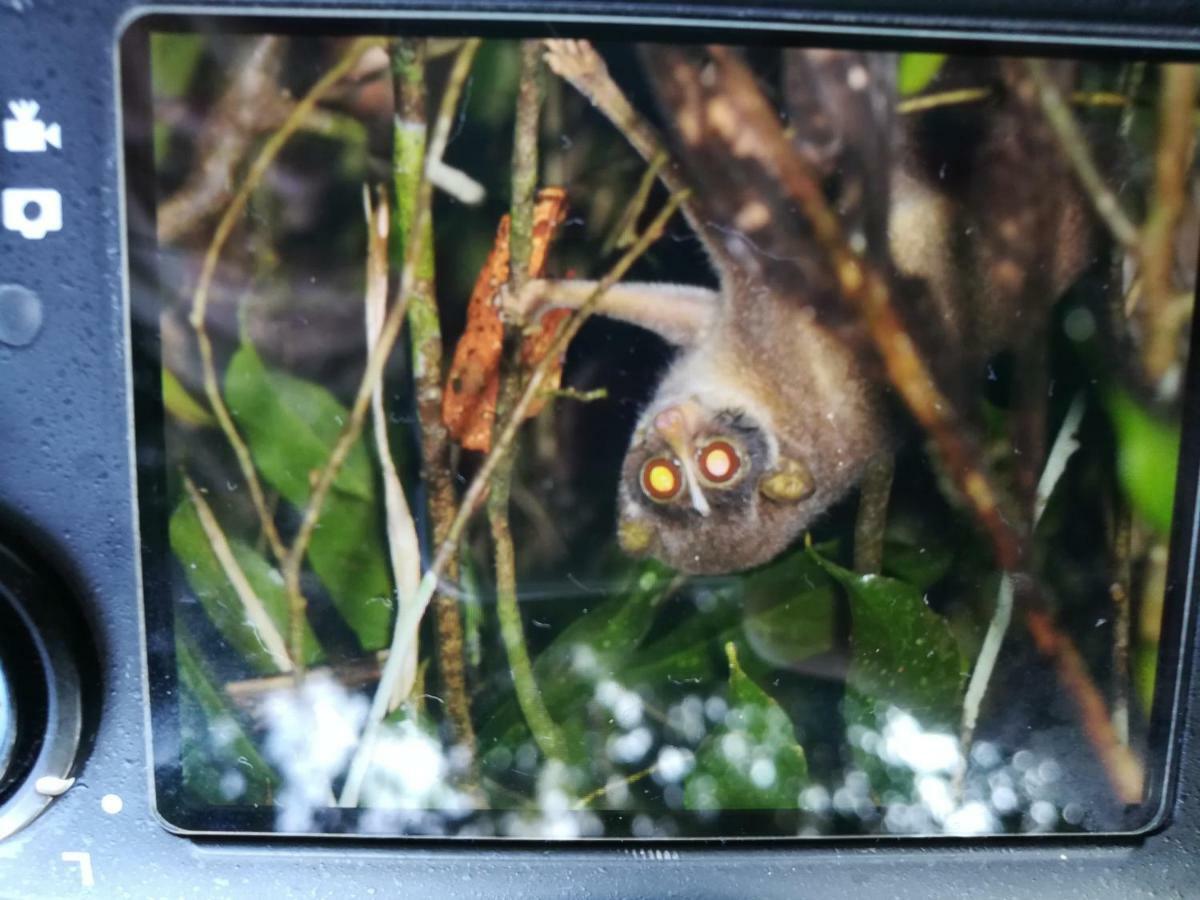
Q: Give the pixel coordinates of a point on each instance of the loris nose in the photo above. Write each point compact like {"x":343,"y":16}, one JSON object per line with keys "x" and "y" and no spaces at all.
{"x":670,"y":423}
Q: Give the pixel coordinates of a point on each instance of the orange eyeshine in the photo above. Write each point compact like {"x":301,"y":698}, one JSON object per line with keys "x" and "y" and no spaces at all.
{"x":661,"y":479}
{"x":719,"y":462}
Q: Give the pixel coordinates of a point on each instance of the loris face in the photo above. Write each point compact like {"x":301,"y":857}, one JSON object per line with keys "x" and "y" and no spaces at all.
{"x":704,"y":490}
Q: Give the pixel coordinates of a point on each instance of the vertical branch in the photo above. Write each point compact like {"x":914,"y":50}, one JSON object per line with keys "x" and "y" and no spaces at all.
{"x":1172,"y":160}
{"x":871,"y":519}
{"x":425,"y":336}
{"x":409,"y":618}
{"x":524,"y":185}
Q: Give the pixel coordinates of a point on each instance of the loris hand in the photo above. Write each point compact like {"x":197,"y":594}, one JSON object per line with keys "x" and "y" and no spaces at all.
{"x":525,"y":307}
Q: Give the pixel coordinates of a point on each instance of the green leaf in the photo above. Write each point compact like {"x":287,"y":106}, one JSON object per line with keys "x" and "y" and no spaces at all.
{"x":752,"y":760}
{"x":790,"y":610}
{"x":1147,"y":459}
{"x":218,"y":597}
{"x":902,"y":652}
{"x":180,"y":404}
{"x":917,"y":70}
{"x":291,"y":426}
{"x":209,"y":761}
{"x":596,"y":646}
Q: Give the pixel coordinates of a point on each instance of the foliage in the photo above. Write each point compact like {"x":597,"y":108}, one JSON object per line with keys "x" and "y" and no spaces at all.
{"x":291,"y":426}
{"x":751,"y":760}
{"x":217,"y":596}
{"x":675,"y":696}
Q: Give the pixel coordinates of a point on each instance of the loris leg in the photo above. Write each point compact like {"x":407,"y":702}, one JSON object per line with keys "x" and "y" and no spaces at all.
{"x":677,"y":313}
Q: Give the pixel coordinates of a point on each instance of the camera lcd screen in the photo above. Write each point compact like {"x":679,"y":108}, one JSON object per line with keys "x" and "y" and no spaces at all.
{"x":570,"y":437}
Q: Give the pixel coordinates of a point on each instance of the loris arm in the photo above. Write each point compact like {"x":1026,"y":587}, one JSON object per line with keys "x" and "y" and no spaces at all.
{"x":677,"y":313}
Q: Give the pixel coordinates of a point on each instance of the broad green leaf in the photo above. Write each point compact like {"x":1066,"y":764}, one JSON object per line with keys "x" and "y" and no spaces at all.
{"x":218,"y":598}
{"x":752,"y":760}
{"x":917,"y":70}
{"x":291,"y":426}
{"x":903,"y":653}
{"x":790,"y":611}
{"x":225,"y":771}
{"x":180,"y":404}
{"x":612,"y":630}
{"x":595,"y":647}
{"x":1147,"y":459}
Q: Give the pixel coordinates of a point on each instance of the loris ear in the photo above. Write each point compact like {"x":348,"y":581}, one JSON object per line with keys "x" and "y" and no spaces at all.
{"x":789,"y":482}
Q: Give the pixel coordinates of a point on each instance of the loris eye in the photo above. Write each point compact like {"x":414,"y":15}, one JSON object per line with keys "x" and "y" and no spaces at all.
{"x":719,"y":462}
{"x":661,"y":479}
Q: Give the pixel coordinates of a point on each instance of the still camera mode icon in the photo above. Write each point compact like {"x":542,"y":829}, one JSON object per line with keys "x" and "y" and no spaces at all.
{"x":24,"y":132}
{"x":31,"y":212}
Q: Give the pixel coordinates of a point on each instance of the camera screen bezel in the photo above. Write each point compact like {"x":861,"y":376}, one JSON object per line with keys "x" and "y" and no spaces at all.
{"x":170,"y":798}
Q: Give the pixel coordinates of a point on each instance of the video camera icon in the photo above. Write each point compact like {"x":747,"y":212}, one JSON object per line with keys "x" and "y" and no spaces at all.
{"x":31,"y":212}
{"x":24,"y":132}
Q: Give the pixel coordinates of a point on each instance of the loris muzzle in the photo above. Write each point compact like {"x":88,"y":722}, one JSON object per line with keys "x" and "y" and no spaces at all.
{"x":774,"y":406}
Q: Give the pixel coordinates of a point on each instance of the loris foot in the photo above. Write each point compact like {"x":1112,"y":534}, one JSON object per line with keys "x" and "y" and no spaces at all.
{"x":576,"y":62}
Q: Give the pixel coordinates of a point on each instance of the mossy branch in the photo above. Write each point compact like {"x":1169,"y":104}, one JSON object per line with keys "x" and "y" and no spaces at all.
{"x":425,"y":337}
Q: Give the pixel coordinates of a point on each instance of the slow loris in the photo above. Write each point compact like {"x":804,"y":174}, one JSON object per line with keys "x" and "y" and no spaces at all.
{"x":774,"y":405}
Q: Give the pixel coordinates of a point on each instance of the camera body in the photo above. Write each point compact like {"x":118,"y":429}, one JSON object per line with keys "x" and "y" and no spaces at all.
{"x":68,"y":516}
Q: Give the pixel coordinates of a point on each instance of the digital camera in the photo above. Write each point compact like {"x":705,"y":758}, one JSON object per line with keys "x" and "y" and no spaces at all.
{"x":600,"y":449}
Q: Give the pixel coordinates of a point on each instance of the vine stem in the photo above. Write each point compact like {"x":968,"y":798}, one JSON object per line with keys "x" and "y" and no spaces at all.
{"x":229,"y":220}
{"x":429,"y":582}
{"x":378,"y":355}
{"x":1074,"y":146}
{"x":409,"y":56}
{"x":524,"y":187}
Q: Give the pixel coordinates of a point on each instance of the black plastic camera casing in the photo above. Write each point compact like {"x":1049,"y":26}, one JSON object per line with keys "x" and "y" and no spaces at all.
{"x":68,"y":512}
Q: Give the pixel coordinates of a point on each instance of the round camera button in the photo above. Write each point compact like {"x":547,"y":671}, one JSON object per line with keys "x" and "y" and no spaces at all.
{"x":20,"y":315}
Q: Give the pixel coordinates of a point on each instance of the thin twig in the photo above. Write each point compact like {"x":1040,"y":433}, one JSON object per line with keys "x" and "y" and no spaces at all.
{"x":570,"y":393}
{"x":1172,"y":163}
{"x":578,"y":63}
{"x":587,"y":799}
{"x":425,"y":340}
{"x":479,"y":484}
{"x":524,"y":186}
{"x":942,"y":98}
{"x":252,"y":104}
{"x":1074,"y":146}
{"x":378,"y":356}
{"x":404,"y":550}
{"x":963,"y":96}
{"x":871,"y":519}
{"x":256,"y":613}
{"x":225,"y":226}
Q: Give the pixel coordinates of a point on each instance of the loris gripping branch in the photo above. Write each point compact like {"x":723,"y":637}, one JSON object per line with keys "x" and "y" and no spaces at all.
{"x":775,"y":405}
